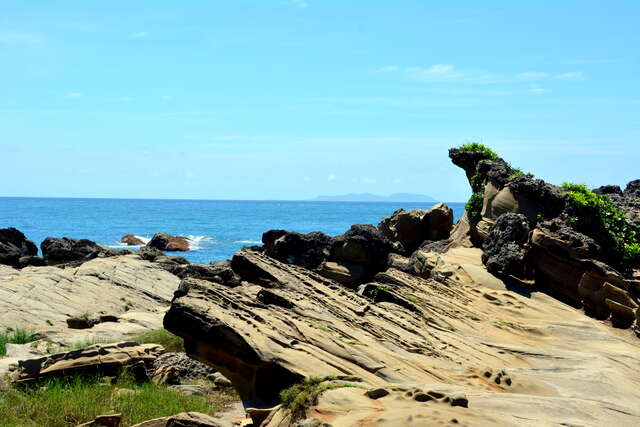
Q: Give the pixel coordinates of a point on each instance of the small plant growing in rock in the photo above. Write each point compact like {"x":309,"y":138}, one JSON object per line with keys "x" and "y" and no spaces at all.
{"x":301,"y":396}
{"x":474,"y":206}
{"x":375,"y":290}
{"x":475,"y":147}
{"x":15,"y":336}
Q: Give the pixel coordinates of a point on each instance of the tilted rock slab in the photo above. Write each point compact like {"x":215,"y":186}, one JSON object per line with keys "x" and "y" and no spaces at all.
{"x":519,"y":358}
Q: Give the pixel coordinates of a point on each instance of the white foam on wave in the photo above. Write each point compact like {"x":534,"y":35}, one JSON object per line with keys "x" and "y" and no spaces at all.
{"x":249,"y":242}
{"x":198,"y":242}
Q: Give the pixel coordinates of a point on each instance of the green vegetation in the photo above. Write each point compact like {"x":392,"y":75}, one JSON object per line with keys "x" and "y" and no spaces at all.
{"x":301,"y":396}
{"x":170,"y":342}
{"x":15,"y":336}
{"x":474,"y":206}
{"x":623,"y":237}
{"x":475,"y":147}
{"x":516,"y":172}
{"x":373,"y":291}
{"x":78,"y":399}
{"x":85,"y":316}
{"x":79,"y":345}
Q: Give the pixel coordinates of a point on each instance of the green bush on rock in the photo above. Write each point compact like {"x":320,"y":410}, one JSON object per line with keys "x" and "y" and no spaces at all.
{"x":623,"y":236}
{"x":301,"y":396}
{"x":474,"y":206}
{"x":475,"y":147}
{"x":15,"y":336}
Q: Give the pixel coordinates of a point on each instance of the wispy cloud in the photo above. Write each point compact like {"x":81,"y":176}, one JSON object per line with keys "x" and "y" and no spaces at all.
{"x":331,"y":177}
{"x":533,"y":75}
{"x":140,"y":35}
{"x":301,"y":4}
{"x":124,"y":99}
{"x":166,"y":97}
{"x":572,"y":75}
{"x":367,"y":180}
{"x":74,"y":95}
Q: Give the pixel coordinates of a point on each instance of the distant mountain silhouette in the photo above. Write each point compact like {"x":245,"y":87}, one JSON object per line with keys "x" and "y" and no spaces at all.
{"x":368,"y":197}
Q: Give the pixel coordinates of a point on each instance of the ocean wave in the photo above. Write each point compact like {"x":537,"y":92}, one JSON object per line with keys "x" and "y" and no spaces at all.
{"x":249,"y":242}
{"x":199,"y":242}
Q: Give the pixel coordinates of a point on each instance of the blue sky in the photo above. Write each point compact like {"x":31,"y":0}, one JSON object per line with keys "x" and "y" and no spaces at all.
{"x":293,"y":99}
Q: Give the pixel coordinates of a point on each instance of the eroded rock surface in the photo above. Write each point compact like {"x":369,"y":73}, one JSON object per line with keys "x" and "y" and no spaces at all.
{"x":14,"y":246}
{"x":167,"y":242}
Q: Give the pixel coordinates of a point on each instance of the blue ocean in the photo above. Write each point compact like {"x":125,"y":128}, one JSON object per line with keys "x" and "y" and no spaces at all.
{"x":216,"y":228}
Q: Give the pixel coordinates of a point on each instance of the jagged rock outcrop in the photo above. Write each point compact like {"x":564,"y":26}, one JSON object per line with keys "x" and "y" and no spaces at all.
{"x":307,"y":250}
{"x":412,"y":228}
{"x":108,"y":359}
{"x":362,"y":245}
{"x":169,"y":243}
{"x":503,"y":249}
{"x":217,"y":271}
{"x":60,"y":250}
{"x":14,"y":246}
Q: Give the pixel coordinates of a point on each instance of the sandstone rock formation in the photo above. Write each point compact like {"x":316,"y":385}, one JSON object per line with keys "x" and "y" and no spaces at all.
{"x":166,"y":242}
{"x":14,"y":246}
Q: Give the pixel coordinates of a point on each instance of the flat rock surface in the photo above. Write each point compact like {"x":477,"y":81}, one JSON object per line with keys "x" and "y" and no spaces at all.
{"x":47,"y":296}
{"x":519,"y":356}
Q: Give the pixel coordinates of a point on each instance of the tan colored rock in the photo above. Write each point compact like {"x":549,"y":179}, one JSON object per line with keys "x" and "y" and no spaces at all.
{"x":548,"y":360}
{"x":183,"y":419}
{"x":41,"y":297}
{"x":341,"y":272}
{"x":107,"y":358}
{"x":112,"y":420}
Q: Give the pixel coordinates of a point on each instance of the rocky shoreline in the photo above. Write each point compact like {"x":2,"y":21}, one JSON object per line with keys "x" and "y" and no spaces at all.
{"x":524,"y":312}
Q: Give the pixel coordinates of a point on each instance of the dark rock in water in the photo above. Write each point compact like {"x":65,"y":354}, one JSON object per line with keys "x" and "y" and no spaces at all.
{"x":167,"y":242}
{"x":131,"y":240}
{"x":31,"y":261}
{"x":363,"y":244}
{"x":411,"y":228}
{"x":608,"y":189}
{"x":14,"y":245}
{"x":58,"y":250}
{"x":633,"y":189}
{"x":306,"y":250}
{"x":504,"y":246}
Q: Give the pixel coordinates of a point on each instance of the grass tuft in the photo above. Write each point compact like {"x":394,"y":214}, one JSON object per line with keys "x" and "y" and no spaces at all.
{"x":16,"y":336}
{"x":475,"y":147}
{"x":301,"y":396}
{"x":170,"y":342}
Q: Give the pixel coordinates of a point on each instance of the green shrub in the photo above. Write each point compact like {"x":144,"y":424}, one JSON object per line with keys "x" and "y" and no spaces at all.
{"x":475,"y":147}
{"x":623,"y":236}
{"x":474,"y":205}
{"x":301,"y":396}
{"x":170,"y":342}
{"x":15,"y":336}
{"x":77,"y":399}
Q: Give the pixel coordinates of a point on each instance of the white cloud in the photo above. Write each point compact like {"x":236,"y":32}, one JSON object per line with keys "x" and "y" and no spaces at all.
{"x":307,"y":179}
{"x":446,"y":73}
{"x":166,"y":97}
{"x":301,"y":4}
{"x":141,"y":35}
{"x":571,"y":75}
{"x":533,"y":75}
{"x":331,"y":177}
{"x":74,"y":95}
{"x":367,"y":180}
{"x":124,"y":99}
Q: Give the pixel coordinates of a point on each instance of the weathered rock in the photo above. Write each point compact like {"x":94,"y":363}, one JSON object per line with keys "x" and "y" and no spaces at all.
{"x":342,"y":272}
{"x":131,"y":240}
{"x":60,"y":250}
{"x":111,"y":420}
{"x":81,"y":322}
{"x":608,"y":189}
{"x":40,"y":297}
{"x":362,"y":245}
{"x":31,"y":261}
{"x":169,"y":243}
{"x":633,"y":189}
{"x":149,"y":254}
{"x":186,"y":367}
{"x":14,"y":245}
{"x":503,"y":249}
{"x":183,"y":419}
{"x":219,"y":272}
{"x":411,"y":228}
{"x":109,"y":359}
{"x":189,"y":389}
{"x":307,"y":250}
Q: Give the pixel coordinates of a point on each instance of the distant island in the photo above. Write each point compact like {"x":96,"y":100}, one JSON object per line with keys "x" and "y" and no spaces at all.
{"x":368,"y":197}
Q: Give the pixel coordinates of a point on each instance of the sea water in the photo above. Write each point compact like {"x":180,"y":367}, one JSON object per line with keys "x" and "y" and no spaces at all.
{"x":216,"y":228}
